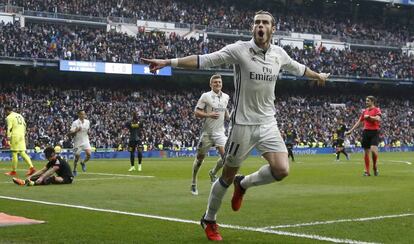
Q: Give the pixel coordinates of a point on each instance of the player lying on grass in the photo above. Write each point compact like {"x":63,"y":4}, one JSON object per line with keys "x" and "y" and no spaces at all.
{"x":56,"y":171}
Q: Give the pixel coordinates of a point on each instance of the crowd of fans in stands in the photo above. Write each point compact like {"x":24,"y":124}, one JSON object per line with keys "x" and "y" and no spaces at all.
{"x":168,"y":117}
{"x":235,"y":15}
{"x":94,"y":44}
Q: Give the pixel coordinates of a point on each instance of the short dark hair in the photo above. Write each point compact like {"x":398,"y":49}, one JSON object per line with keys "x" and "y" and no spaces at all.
{"x":49,"y":151}
{"x":267,"y":13}
{"x":372,"y":98}
{"x":8,"y":108}
{"x":81,"y":110}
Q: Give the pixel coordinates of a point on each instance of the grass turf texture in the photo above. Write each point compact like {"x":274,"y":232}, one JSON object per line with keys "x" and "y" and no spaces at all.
{"x":317,"y":189}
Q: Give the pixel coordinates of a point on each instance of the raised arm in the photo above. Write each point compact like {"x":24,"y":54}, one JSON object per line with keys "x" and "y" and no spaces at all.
{"x":189,"y":62}
{"x":227,"y":54}
{"x":319,"y":77}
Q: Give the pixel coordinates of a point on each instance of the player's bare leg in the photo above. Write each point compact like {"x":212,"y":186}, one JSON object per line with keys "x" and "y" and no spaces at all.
{"x":219,"y":164}
{"x":88,"y":156}
{"x":366,"y":159}
{"x":374,"y":152}
{"x":198,"y":161}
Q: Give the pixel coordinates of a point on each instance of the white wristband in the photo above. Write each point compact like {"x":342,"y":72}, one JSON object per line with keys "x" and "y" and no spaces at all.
{"x":174,"y":62}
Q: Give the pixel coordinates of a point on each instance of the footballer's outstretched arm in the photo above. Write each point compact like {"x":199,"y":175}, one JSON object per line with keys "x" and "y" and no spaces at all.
{"x":189,"y":62}
{"x":319,"y":77}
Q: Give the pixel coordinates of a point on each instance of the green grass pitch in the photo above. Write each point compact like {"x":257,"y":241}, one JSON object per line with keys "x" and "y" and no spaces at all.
{"x":295,"y":210}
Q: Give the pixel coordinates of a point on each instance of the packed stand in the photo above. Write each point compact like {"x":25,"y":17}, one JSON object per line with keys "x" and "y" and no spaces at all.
{"x":235,"y":15}
{"x":356,"y":63}
{"x":92,"y":44}
{"x":49,"y":112}
{"x":315,"y":118}
{"x":168,"y":115}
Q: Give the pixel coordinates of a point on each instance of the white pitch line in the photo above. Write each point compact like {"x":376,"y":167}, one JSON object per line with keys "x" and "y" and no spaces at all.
{"x":122,"y":175}
{"x":398,"y":161}
{"x":235,"y":227}
{"x":340,"y":221}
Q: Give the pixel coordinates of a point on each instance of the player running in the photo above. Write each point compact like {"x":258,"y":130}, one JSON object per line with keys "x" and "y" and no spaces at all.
{"x":257,"y":64}
{"x":212,"y":107}
{"x":79,"y":130}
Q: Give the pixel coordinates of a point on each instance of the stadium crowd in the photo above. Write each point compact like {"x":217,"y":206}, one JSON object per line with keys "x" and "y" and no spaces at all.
{"x":168,"y":115}
{"x":335,"y":21}
{"x":91,"y":44}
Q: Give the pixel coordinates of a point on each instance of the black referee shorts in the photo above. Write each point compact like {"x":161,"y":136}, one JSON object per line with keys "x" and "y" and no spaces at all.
{"x":370,"y":138}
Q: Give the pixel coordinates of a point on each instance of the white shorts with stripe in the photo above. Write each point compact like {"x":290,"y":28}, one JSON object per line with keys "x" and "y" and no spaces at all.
{"x":207,"y":141}
{"x":243,"y":138}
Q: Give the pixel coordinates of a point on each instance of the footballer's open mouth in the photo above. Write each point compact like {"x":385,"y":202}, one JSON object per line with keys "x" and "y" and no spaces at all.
{"x":260,"y":33}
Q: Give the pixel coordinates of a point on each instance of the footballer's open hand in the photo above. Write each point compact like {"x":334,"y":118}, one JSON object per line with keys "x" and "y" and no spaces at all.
{"x":155,"y":64}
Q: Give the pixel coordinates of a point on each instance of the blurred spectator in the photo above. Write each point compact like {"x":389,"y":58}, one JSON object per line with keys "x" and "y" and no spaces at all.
{"x":168,"y":114}
{"x":92,"y":44}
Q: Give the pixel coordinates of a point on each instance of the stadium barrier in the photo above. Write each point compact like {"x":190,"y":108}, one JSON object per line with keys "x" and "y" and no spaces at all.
{"x":6,"y":155}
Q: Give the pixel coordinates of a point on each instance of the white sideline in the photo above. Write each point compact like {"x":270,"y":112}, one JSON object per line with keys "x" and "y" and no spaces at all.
{"x":398,"y":161}
{"x":133,"y":176}
{"x":235,"y":227}
{"x":340,"y":221}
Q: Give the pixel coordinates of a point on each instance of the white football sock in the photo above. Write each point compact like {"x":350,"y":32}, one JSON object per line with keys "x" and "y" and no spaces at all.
{"x":218,"y":190}
{"x":261,"y":177}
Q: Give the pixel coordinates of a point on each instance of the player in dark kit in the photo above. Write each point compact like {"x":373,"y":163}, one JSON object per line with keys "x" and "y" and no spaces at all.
{"x":135,"y":133}
{"x":290,"y":140}
{"x":371,"y":118}
{"x":339,"y":138}
{"x":56,"y":171}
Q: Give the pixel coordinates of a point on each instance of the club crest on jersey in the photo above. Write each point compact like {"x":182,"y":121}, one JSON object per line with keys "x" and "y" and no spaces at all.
{"x":251,"y":50}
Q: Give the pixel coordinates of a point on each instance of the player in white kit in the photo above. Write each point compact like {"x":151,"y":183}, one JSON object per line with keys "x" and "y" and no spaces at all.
{"x":212,"y":107}
{"x":79,"y":130}
{"x":257,"y":64}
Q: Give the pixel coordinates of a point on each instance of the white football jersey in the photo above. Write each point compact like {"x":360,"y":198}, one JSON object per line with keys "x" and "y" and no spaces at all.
{"x":81,"y":137}
{"x":255,"y":75}
{"x":213,"y":102}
